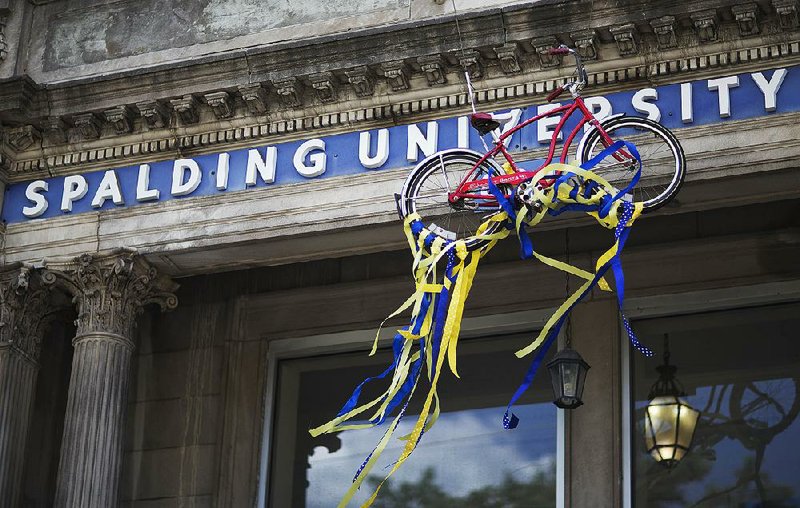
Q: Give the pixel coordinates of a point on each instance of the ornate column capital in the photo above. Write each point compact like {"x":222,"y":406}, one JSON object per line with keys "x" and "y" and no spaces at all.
{"x":110,"y":291}
{"x":24,"y":310}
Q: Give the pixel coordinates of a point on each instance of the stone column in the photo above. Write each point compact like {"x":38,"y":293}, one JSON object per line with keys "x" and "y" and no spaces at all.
{"x":23,"y":312}
{"x":109,"y":292}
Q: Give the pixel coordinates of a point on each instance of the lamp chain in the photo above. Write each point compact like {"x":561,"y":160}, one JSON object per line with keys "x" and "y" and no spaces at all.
{"x":666,"y":349}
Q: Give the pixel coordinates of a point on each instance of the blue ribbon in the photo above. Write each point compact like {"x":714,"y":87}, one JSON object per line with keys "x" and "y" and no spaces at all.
{"x":621,"y":232}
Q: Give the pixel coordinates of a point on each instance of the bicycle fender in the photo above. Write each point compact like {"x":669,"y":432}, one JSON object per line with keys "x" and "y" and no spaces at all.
{"x":579,"y":149}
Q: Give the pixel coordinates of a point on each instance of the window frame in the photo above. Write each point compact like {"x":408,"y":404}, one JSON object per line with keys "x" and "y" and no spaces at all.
{"x":676,"y":304}
{"x":361,"y":340}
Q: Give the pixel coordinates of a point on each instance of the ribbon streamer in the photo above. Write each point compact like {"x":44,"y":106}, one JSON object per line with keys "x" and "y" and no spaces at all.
{"x":420,"y":349}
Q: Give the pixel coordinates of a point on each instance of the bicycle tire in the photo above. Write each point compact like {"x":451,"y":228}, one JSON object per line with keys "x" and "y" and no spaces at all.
{"x":425,"y":192}
{"x":765,"y":429}
{"x":663,"y":160}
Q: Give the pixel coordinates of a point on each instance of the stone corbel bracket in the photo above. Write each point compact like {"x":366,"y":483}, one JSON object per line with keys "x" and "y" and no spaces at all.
{"x":586,"y":44}
{"x":186,"y":109}
{"x":221,"y":103}
{"x":121,"y":118}
{"x":787,"y":13}
{"x":87,"y":126}
{"x":471,"y":62}
{"x":23,"y":137}
{"x":290,"y":91}
{"x":664,"y":29}
{"x":396,"y":73}
{"x":154,"y":113}
{"x":706,"y":25}
{"x":362,"y":81}
{"x":325,"y":86}
{"x":508,"y":54}
{"x":626,"y":36}
{"x":433,"y":68}
{"x":542,"y":46}
{"x":255,"y":96}
{"x":746,"y":16}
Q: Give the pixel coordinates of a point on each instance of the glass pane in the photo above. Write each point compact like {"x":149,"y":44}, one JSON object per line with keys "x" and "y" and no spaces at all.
{"x":741,"y":370}
{"x":467,"y":458}
{"x":569,"y":373}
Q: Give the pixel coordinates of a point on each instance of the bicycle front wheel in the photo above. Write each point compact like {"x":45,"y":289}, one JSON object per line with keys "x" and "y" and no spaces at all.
{"x":663,"y":160}
{"x":427,"y":189}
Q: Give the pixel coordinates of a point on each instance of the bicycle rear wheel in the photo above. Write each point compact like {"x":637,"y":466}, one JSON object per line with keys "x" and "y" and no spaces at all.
{"x":663,"y":160}
{"x":426,"y":191}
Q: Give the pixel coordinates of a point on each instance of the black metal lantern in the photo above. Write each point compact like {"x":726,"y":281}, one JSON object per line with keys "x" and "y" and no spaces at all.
{"x":567,"y":373}
{"x":670,"y":421}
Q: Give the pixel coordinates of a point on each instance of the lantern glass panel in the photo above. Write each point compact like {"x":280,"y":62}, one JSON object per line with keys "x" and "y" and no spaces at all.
{"x":688,"y":421}
{"x":569,"y":375}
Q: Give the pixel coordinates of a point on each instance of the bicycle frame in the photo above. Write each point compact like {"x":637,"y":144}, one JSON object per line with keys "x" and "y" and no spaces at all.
{"x":468,"y":185}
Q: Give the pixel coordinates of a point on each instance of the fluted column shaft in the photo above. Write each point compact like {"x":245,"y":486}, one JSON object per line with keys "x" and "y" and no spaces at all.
{"x":91,"y":451}
{"x":109,"y":292}
{"x":23,"y":312}
{"x":17,"y":388}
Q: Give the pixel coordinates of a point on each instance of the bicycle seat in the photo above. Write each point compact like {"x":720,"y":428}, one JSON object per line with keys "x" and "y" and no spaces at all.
{"x":483,"y":123}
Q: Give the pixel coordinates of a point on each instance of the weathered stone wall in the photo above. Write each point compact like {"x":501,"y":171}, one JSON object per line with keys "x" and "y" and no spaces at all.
{"x":195,"y":420}
{"x":81,"y":38}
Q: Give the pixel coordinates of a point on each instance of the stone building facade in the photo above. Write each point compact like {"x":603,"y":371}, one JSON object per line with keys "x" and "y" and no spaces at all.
{"x":148,"y":324}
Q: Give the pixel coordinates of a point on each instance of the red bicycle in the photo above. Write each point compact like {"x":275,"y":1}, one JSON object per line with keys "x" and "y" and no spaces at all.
{"x":451,"y":187}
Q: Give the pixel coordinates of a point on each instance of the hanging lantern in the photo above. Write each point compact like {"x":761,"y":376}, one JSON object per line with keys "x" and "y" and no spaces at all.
{"x":669,"y":420}
{"x":567,"y":373}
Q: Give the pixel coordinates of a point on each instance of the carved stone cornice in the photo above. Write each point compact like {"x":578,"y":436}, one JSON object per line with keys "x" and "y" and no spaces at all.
{"x":626,"y":38}
{"x":186,"y":109}
{"x":664,"y":28}
{"x":472,"y":62}
{"x":154,"y":113}
{"x":706,"y":24}
{"x":120,"y":118}
{"x":787,"y":13}
{"x":325,"y":86}
{"x":55,"y":130}
{"x":362,"y":81}
{"x":255,"y":97}
{"x":528,"y":87}
{"x":396,"y":73}
{"x":508,"y":55}
{"x":25,"y":309}
{"x":543,"y":45}
{"x":746,"y":16}
{"x":87,"y":126}
{"x":23,"y":137}
{"x":433,"y":68}
{"x":111,"y":290}
{"x":586,"y":43}
{"x":290,"y":91}
{"x":221,"y":103}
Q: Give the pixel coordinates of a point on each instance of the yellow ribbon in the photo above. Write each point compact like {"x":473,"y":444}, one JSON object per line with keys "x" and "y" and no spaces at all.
{"x":424,"y":270}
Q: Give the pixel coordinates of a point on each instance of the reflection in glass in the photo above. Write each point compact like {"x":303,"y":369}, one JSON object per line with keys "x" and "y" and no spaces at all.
{"x":745,"y":446}
{"x":466,"y":459}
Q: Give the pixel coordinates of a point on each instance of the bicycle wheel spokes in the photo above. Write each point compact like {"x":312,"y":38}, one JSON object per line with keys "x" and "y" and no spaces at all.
{"x":661,"y":157}
{"x":427,"y":193}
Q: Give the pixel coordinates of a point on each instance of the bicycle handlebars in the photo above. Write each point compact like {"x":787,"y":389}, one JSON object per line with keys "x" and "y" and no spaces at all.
{"x":583,"y":78}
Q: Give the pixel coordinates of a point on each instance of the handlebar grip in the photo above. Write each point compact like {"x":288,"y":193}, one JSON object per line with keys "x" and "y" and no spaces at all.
{"x":558,"y":51}
{"x":555,"y":93}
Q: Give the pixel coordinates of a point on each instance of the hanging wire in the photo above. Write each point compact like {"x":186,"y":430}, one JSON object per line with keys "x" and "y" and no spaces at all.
{"x":470,"y":90}
{"x":666,"y":349}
